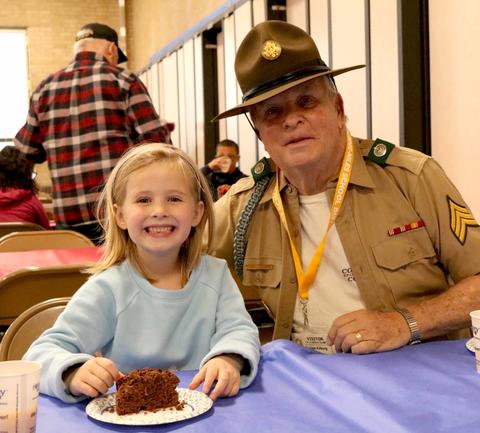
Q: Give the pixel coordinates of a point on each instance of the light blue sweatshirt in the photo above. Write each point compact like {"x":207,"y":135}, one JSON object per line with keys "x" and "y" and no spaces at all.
{"x":120,"y":314}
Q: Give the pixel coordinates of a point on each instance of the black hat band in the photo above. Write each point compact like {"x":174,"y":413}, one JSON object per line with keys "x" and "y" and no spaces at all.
{"x":284,"y":79}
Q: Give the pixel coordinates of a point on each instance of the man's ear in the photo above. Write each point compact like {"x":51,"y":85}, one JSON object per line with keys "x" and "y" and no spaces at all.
{"x":340,"y":110}
{"x":111,"y":54}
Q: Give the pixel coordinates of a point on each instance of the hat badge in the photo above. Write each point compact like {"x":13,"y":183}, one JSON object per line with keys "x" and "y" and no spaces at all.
{"x":271,"y":50}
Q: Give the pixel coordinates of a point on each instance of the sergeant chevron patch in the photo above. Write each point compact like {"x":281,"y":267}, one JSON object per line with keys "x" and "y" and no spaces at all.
{"x":460,"y":220}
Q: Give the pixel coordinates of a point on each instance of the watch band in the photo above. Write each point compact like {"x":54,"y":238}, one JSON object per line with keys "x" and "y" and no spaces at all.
{"x":415,"y":336}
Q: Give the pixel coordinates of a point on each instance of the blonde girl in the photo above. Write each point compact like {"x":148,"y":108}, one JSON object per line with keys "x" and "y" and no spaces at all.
{"x":154,"y":300}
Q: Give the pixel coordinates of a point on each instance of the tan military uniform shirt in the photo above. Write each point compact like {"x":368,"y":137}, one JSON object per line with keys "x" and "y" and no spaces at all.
{"x":390,"y":270}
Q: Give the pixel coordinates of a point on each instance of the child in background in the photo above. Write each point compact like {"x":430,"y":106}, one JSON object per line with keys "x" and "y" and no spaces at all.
{"x":155,"y":300}
{"x":18,"y":200}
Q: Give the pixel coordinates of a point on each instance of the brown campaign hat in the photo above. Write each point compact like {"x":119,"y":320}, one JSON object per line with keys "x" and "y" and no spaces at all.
{"x":101,"y":31}
{"x":273,"y":57}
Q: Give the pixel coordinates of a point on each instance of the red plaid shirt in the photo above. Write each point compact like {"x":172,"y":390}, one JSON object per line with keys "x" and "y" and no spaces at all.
{"x":81,"y":120}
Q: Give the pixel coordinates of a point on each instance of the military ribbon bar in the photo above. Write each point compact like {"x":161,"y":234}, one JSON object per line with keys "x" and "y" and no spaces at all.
{"x":407,"y":227}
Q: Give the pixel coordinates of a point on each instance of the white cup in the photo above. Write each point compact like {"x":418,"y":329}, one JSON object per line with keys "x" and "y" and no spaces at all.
{"x":224,"y":163}
{"x":475,"y":315}
{"x":19,"y":389}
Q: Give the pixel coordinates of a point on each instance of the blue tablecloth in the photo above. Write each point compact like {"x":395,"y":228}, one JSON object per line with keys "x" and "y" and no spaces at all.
{"x":431,"y":387}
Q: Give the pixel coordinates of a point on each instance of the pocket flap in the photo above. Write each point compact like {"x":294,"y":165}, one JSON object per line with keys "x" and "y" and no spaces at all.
{"x":262,"y":272}
{"x":400,"y":250}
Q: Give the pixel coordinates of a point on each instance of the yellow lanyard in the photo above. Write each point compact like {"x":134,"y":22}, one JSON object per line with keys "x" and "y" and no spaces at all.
{"x":305,"y":280}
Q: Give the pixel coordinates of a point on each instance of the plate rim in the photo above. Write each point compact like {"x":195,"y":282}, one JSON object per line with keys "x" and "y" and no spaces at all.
{"x":470,"y":345}
{"x":134,"y":421}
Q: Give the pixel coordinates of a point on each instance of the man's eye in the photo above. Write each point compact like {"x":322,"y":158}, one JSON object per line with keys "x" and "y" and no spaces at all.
{"x":307,"y":101}
{"x":271,"y":113}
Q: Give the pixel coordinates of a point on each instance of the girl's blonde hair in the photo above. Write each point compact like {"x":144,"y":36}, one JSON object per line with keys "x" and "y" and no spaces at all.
{"x":116,"y":242}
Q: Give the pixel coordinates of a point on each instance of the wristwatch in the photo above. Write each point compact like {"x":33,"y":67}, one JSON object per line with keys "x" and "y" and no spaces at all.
{"x":415,"y":336}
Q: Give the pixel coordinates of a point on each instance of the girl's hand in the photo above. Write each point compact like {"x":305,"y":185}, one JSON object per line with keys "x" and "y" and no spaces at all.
{"x":93,"y":378}
{"x":225,"y":369}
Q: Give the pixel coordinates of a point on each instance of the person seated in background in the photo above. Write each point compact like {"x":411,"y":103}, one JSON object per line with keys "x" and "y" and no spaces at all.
{"x":222,"y":171}
{"x":355,"y":245}
{"x":18,"y":190}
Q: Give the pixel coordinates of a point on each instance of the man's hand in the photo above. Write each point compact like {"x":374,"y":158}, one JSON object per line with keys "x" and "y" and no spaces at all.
{"x":365,"y":331}
{"x":93,"y":378}
{"x":221,"y":163}
{"x":225,"y":369}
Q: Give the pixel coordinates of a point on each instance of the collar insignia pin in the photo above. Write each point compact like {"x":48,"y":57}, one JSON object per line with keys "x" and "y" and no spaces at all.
{"x":380,"y":150}
{"x":259,"y":168}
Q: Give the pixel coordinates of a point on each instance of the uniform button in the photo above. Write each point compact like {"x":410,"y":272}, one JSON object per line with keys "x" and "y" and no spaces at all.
{"x":293,"y":280}
{"x":289,"y":189}
{"x":412,"y":253}
{"x":257,"y":277}
{"x":285,"y":325}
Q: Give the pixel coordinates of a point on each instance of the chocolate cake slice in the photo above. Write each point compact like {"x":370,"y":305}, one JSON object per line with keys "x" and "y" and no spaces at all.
{"x":146,"y":389}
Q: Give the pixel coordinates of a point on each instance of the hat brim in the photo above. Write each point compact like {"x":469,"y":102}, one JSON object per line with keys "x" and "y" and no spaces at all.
{"x":121,"y":55}
{"x":243,"y":108}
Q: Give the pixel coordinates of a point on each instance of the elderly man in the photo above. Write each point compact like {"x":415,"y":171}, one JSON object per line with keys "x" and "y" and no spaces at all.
{"x":82,"y":119}
{"x":354,"y":245}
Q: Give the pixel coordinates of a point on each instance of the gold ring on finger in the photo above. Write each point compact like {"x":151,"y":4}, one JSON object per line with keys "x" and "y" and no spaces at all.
{"x":358,"y":336}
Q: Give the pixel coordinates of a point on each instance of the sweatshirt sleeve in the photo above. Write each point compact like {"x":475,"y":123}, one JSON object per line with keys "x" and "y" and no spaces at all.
{"x":86,"y":325}
{"x":235,"y":331}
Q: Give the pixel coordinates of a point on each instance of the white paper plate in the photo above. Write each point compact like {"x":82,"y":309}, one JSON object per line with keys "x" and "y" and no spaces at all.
{"x":196,"y":403}
{"x":470,"y":345}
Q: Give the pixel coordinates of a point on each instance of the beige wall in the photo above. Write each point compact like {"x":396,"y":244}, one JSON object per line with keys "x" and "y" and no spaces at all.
{"x":152,"y":24}
{"x":455,"y":93}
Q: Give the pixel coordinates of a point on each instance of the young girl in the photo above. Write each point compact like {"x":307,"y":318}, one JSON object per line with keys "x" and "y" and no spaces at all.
{"x":154,"y":300}
{"x":18,"y":200}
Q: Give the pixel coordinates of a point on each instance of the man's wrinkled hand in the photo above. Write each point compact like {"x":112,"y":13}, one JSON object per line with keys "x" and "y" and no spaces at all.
{"x":364,"y":331}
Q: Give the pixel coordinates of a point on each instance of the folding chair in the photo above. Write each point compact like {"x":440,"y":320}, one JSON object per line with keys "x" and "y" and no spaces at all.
{"x":18,"y":226}
{"x":27,"y":327}
{"x":21,"y":289}
{"x":45,"y":239}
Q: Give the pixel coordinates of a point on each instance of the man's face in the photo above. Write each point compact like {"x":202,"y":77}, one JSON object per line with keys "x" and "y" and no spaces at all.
{"x":301,"y":127}
{"x":231,"y":153}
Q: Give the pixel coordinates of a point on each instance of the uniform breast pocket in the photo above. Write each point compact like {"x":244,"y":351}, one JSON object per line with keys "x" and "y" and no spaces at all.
{"x":409,"y":265}
{"x":262,"y":272}
{"x":401,"y":250}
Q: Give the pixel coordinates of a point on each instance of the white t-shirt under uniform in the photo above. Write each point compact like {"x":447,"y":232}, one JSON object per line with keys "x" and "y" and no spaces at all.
{"x":334,"y":291}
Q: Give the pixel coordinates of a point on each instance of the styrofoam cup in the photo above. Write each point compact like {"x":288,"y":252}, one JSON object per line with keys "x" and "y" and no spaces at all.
{"x":475,"y":316}
{"x":225,"y":164}
{"x":19,"y":389}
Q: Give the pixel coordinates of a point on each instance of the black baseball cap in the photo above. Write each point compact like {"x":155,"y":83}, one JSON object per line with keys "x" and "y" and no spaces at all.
{"x":101,"y":31}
